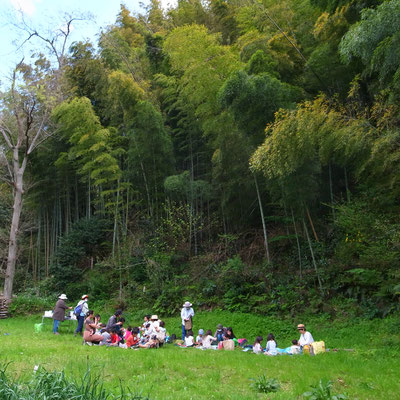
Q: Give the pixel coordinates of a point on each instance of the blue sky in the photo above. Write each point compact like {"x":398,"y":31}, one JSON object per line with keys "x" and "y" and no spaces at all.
{"x":48,"y":14}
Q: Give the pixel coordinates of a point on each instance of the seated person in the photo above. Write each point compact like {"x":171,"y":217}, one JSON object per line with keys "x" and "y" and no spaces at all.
{"x":305,"y":337}
{"x":271,"y":350}
{"x":199,"y":338}
{"x":106,"y":337}
{"x":113,"y":319}
{"x":257,"y":345}
{"x":295,"y":348}
{"x":208,"y":339}
{"x":161,"y":332}
{"x":151,"y":343}
{"x":128,"y":332}
{"x":229,"y":335}
{"x":133,"y":339}
{"x":220,"y":332}
{"x":115,"y":339}
{"x":189,"y":339}
{"x":90,"y":336}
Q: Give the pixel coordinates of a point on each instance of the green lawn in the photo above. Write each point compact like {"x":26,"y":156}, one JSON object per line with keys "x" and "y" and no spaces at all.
{"x":371,"y":371}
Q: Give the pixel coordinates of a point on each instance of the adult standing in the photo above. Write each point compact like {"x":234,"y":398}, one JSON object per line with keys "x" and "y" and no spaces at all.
{"x":59,"y":312}
{"x":81,"y":316}
{"x":187,"y":315}
{"x":113,"y":319}
{"x":305,"y":336}
{"x":91,"y":324}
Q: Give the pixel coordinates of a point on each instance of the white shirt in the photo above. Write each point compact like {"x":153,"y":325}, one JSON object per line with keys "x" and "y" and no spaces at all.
{"x":306,"y":338}
{"x":161,"y":334}
{"x":199,"y":339}
{"x":295,"y":349}
{"x":207,"y":341}
{"x":186,"y":313}
{"x":257,"y":348}
{"x":271,"y":348}
{"x":189,"y":341}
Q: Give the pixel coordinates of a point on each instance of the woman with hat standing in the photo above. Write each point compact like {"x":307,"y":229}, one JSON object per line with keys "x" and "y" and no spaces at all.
{"x":187,"y":314}
{"x":84,"y":308}
{"x":59,"y":312}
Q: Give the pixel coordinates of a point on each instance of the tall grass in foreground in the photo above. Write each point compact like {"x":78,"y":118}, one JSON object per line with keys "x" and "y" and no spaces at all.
{"x":46,"y":385}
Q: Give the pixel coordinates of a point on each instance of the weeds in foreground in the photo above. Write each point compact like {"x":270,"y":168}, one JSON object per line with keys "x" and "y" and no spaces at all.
{"x":265,"y":385}
{"x":322,"y":391}
{"x":46,"y":385}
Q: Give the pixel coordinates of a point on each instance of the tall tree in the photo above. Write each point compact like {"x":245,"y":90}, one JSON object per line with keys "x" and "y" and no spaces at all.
{"x":24,"y":125}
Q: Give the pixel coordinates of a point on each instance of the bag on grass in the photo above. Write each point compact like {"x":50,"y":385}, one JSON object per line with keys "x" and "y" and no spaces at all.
{"x":318,"y":347}
{"x":229,"y":344}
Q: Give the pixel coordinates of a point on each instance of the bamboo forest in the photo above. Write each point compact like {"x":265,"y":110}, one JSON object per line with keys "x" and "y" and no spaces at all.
{"x":243,"y":154}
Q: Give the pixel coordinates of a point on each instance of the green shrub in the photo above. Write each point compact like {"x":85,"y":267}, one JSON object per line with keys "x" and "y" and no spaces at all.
{"x":264,"y":385}
{"x":55,"y":386}
{"x":322,"y":391}
{"x":29,"y":304}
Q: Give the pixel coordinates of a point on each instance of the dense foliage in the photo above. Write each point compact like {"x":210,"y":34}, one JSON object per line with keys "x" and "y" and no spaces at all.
{"x":244,"y":155}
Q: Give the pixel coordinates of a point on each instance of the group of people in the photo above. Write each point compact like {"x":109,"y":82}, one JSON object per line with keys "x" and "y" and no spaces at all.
{"x":152,"y":333}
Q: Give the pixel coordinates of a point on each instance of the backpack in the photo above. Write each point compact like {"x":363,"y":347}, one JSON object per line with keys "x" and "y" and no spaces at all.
{"x":78,"y":309}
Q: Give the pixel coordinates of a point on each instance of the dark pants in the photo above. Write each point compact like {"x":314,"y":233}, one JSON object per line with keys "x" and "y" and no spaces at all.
{"x":80,"y":324}
{"x":183,"y":332}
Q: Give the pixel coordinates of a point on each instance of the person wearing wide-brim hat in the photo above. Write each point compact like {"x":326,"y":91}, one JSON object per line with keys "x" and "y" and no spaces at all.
{"x":83,"y":304}
{"x":59,"y":312}
{"x":187,"y":315}
{"x":154,"y":321}
{"x":305,"y":336}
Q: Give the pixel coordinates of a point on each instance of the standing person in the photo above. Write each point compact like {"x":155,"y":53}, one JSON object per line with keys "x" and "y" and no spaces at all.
{"x":305,"y":337}
{"x":59,"y":312}
{"x":84,"y":308}
{"x":187,"y":314}
{"x":113,"y":319}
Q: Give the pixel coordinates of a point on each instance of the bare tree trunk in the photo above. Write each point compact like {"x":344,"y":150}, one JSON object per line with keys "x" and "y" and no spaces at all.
{"x":331,"y":190}
{"x":298,"y":243}
{"x":347,"y":185}
{"x":312,"y":256}
{"x":17,"y":209}
{"x":312,"y":225}
{"x":263,"y":221}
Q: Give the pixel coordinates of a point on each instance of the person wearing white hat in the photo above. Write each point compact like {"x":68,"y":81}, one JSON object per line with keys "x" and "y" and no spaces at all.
{"x":59,"y":312}
{"x":80,"y":311}
{"x":187,"y":314}
{"x":154,"y":322}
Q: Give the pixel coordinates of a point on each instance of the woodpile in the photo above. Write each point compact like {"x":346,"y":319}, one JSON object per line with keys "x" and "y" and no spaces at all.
{"x":3,"y":308}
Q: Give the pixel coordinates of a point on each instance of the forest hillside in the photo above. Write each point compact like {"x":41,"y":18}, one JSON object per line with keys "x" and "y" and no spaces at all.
{"x":240,"y":154}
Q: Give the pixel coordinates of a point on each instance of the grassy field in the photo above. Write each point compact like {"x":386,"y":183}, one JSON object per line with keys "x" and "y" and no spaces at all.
{"x":371,"y":371}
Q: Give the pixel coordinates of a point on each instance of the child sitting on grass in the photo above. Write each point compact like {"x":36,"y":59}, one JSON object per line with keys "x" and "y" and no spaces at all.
{"x":133,"y":339}
{"x":128,"y":332}
{"x":150,"y":344}
{"x":161,"y":332}
{"x":189,"y":339}
{"x":270,"y":350}
{"x":106,"y":337}
{"x":208,"y":339}
{"x":257,"y":349}
{"x":114,"y":337}
{"x":199,"y":338}
{"x":295,"y":348}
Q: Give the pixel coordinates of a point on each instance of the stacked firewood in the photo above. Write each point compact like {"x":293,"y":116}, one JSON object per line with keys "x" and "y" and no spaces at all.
{"x":3,"y":308}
